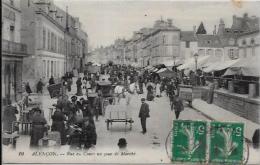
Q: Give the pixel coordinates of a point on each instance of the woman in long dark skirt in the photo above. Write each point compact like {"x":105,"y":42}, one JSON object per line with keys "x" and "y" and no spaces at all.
{"x":38,"y":127}
{"x":150,"y":95}
{"x":79,"y":89}
{"x":58,"y":124}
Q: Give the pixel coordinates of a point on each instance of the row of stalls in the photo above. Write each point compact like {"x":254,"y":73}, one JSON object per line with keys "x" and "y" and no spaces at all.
{"x":241,"y":74}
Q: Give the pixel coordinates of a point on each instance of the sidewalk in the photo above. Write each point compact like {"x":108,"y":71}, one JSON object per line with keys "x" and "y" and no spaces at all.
{"x":219,"y":114}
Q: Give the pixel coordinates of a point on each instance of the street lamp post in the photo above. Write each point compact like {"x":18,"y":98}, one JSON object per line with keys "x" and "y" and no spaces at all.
{"x":174,"y":58}
{"x":196,"y":61}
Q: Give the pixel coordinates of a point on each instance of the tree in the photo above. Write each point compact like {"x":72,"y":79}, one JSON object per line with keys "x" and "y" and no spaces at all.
{"x":201,"y":29}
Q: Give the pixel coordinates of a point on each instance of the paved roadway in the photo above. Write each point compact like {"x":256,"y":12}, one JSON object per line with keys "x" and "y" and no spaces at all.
{"x":153,"y":142}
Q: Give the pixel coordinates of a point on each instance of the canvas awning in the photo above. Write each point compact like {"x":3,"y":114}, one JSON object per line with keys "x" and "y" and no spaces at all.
{"x":151,"y":69}
{"x":170,"y":63}
{"x":167,"y":73}
{"x":161,"y":70}
{"x":190,"y":63}
{"x":210,"y":67}
{"x":220,"y":65}
{"x":148,"y":67}
{"x":246,"y":67}
{"x":96,"y":64}
{"x":154,"y":70}
{"x":135,"y":65}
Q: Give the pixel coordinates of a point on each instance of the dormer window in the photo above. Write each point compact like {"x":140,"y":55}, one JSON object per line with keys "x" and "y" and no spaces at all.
{"x":12,"y":28}
{"x":252,"y":41}
{"x":231,"y":41}
{"x":244,"y":42}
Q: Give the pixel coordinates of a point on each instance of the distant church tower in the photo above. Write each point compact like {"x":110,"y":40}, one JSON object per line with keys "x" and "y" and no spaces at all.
{"x":221,"y":27}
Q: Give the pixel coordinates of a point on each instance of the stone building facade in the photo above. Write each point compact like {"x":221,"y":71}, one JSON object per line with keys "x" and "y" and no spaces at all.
{"x":13,"y":50}
{"x":150,"y":46}
{"x":54,"y":40}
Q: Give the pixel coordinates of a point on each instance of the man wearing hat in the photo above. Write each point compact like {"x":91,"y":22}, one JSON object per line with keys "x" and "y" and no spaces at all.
{"x":143,"y":114}
{"x":122,"y":144}
{"x":73,"y":109}
{"x":9,"y":116}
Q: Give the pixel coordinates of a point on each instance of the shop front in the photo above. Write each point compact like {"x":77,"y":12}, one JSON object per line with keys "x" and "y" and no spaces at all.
{"x":12,"y":59}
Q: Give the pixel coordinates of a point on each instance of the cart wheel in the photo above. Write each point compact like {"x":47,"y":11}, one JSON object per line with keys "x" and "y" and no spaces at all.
{"x":107,"y":125}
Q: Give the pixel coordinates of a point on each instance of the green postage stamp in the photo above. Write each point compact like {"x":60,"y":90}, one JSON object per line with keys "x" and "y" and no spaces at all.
{"x":189,"y":141}
{"x":217,"y":142}
{"x":226,"y":142}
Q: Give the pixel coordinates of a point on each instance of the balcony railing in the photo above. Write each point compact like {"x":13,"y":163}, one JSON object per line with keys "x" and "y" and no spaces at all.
{"x":13,"y":47}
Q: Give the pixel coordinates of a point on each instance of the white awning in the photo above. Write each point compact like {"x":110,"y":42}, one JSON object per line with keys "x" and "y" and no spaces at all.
{"x":210,"y":67}
{"x":246,"y":67}
{"x":170,"y":63}
{"x":154,"y":70}
{"x":148,"y":67}
{"x":220,"y":65}
{"x":226,"y":64}
{"x":190,"y":63}
{"x":161,"y":70}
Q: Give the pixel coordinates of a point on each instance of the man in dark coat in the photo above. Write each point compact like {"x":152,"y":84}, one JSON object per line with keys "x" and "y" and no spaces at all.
{"x":89,"y":135}
{"x":40,"y":86}
{"x":98,"y":106}
{"x":58,"y":124}
{"x":140,"y":83}
{"x":51,"y":81}
{"x":79,"y":89}
{"x":28,"y":88}
{"x":9,"y":116}
{"x":170,"y":91}
{"x":143,"y":114}
{"x":87,"y":109}
{"x":73,"y":107}
{"x":178,"y":106}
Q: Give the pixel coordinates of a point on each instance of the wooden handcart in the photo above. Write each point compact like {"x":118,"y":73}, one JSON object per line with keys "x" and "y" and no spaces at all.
{"x":118,"y":113}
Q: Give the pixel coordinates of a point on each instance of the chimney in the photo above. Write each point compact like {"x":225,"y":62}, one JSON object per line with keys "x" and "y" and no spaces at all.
{"x":194,"y":30}
{"x":215,"y":30}
{"x":169,"y":21}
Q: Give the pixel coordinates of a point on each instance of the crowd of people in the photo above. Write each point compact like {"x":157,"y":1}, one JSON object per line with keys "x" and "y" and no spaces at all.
{"x":75,"y":118}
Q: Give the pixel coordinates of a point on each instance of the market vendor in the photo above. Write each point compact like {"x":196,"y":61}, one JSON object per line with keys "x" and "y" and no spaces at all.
{"x":39,"y":125}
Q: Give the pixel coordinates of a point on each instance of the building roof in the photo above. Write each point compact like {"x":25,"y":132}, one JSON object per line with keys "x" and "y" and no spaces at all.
{"x":245,"y":23}
{"x":205,"y":40}
{"x":188,"y":36}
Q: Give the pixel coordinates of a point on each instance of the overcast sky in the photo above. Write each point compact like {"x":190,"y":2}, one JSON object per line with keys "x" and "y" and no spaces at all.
{"x":105,"y":21}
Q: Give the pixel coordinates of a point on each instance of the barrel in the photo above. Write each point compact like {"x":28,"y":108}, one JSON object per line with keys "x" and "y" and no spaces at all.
{"x":211,"y":93}
{"x":252,"y":90}
{"x":231,"y":86}
{"x":216,"y":85}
